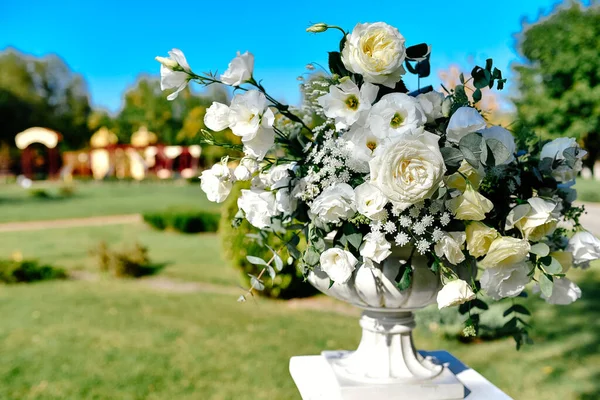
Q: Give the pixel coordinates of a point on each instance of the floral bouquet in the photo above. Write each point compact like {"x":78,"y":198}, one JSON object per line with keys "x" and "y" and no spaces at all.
{"x":364,"y":167}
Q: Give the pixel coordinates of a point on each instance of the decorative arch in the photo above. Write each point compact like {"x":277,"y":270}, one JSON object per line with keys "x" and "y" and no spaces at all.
{"x":44,"y":136}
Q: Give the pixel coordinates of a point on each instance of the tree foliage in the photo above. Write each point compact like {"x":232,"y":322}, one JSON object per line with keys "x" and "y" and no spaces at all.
{"x":559,"y":82}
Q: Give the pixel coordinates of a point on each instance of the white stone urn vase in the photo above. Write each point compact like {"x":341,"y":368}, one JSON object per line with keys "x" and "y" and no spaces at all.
{"x":386,"y":361}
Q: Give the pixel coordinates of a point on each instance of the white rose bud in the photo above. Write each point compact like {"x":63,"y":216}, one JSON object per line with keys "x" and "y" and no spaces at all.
{"x":454,"y":293}
{"x":174,"y":72}
{"x":505,"y":281}
{"x":338,"y":264}
{"x":375,"y":247}
{"x":370,"y":202}
{"x":464,"y":120}
{"x":470,"y":206}
{"x":240,"y":70}
{"x":480,"y":238}
{"x":585,"y":248}
{"x":317,"y":28}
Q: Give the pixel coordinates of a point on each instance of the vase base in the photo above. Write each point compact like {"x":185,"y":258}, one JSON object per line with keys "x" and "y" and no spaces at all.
{"x":444,"y":386}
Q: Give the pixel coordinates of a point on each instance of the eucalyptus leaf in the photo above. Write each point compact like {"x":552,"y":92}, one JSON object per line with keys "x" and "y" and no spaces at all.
{"x":452,"y":156}
{"x":473,"y":147}
{"x":498,"y":150}
{"x":546,"y":285}
{"x":540,"y":249}
{"x":554,"y":267}
{"x":477,"y":95}
{"x":256,"y":283}
{"x":256,"y":260}
{"x":570,"y":155}
{"x":271,"y":271}
{"x":278,"y":262}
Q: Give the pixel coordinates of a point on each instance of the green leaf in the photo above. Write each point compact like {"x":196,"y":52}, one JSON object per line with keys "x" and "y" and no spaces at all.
{"x":554,"y":267}
{"x":404,"y":278}
{"x":278,"y":262}
{"x":473,"y":148}
{"x":271,"y":271}
{"x":546,"y":285}
{"x":256,"y":260}
{"x":417,"y":52}
{"x":336,"y":65}
{"x":256,"y":283}
{"x":452,"y":156}
{"x":481,"y":77}
{"x":498,"y":151}
{"x":518,"y":309}
{"x":351,"y":235}
{"x":461,"y":77}
{"x":478,"y":303}
{"x":540,"y":249}
{"x":293,"y":251}
{"x":570,"y":155}
{"x":311,"y":256}
{"x":477,"y":95}
{"x":545,"y":165}
{"x":488,"y":64}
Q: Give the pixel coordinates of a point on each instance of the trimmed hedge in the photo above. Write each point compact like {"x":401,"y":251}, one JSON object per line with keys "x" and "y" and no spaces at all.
{"x":185,"y":221}
{"x":22,"y":271}
{"x":127,"y":262}
{"x":289,"y":282}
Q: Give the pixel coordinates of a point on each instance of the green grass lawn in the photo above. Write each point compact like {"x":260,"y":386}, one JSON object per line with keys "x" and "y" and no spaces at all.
{"x":114,"y":339}
{"x":99,"y":199}
{"x":588,"y":190}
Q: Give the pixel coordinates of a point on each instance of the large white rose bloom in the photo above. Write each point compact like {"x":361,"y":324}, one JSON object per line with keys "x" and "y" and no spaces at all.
{"x":450,"y":246}
{"x":585,"y":248}
{"x":335,"y":203}
{"x":431,"y":103}
{"x":347,"y":104}
{"x":465,"y":120}
{"x":534,"y":220}
{"x":505,"y":251}
{"x":370,"y":202}
{"x":174,"y":72}
{"x":338,"y":264}
{"x":409,"y":170}
{"x":564,"y":292}
{"x":505,"y":281}
{"x":217,"y":182}
{"x":394,"y":115}
{"x":239,"y":69}
{"x":375,"y":51}
{"x":555,"y":150}
{"x":454,"y":293}
{"x":505,"y":137}
{"x":375,"y":247}
{"x":258,"y":207}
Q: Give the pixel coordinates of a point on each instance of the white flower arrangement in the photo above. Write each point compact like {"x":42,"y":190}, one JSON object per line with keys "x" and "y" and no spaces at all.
{"x":365,"y":165}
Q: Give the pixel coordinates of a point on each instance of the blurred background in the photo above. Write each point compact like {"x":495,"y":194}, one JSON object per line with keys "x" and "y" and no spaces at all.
{"x":118,"y":279}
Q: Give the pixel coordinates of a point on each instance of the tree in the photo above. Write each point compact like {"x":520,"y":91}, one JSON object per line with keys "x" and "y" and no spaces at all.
{"x":42,"y":92}
{"x":559,"y":81}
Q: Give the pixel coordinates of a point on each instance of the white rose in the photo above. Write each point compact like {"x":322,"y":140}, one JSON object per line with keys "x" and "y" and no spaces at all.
{"x":346,"y":104}
{"x":394,"y":115}
{"x":480,"y":238}
{"x":555,"y":150}
{"x":585,"y":248}
{"x":217,"y":182}
{"x":174,"y":72}
{"x":505,"y":137}
{"x":564,"y":292}
{"x":505,"y":251}
{"x":259,"y":207}
{"x":431,"y":103}
{"x":450,"y":246}
{"x":505,"y":281}
{"x":470,"y":206}
{"x":375,"y":247}
{"x":239,"y":70}
{"x":535,"y":220}
{"x":335,"y":203}
{"x":454,"y":293}
{"x":464,"y":120}
{"x":370,"y":202}
{"x":375,"y":51}
{"x":217,"y":117}
{"x":409,"y":170}
{"x":338,"y":264}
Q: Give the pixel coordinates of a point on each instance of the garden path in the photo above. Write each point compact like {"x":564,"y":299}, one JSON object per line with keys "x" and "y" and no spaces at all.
{"x":70,"y":223}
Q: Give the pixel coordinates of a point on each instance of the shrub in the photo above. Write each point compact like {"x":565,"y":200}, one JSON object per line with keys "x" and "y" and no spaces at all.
{"x":128,"y":262}
{"x":289,"y":282}
{"x":16,"y":271}
{"x":39,"y":194}
{"x":185,"y":221}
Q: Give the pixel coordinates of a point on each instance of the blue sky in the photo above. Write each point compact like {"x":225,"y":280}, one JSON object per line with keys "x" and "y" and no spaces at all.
{"x":111,"y":42}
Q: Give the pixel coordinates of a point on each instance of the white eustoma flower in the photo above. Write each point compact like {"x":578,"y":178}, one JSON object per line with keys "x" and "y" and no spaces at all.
{"x":239,"y":70}
{"x":338,"y":264}
{"x":217,"y":182}
{"x":431,"y":103}
{"x":285,"y":201}
{"x":217,"y":117}
{"x":450,"y":246}
{"x":470,"y":206}
{"x":555,"y":150}
{"x":361,"y":144}
{"x":259,"y":207}
{"x":246,"y":168}
{"x":564,"y":292}
{"x":395,"y":115}
{"x":408,"y":170}
{"x":505,"y":281}
{"x":464,"y":121}
{"x":585,"y":248}
{"x":375,"y":51}
{"x":505,"y":137}
{"x":536,"y":219}
{"x":335,"y":203}
{"x":479,"y":238}
{"x":370,"y":202}
{"x":375,"y":247}
{"x":279,"y":175}
{"x":346,"y":103}
{"x":505,"y":251}
{"x":174,"y":72}
{"x":454,"y":293}
{"x":260,"y":144}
